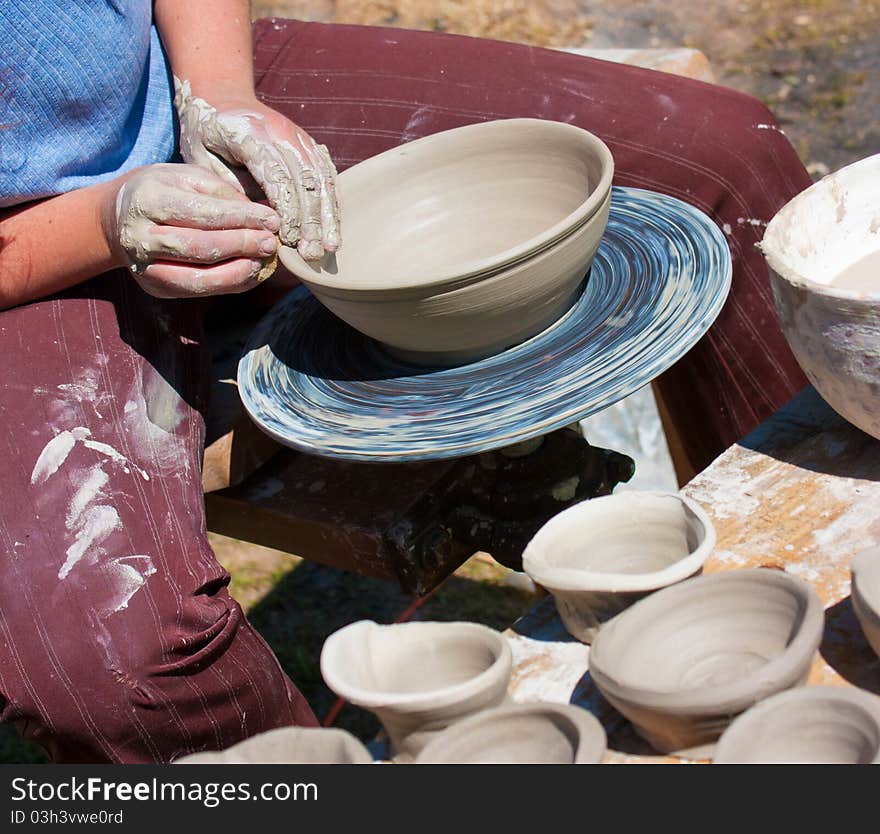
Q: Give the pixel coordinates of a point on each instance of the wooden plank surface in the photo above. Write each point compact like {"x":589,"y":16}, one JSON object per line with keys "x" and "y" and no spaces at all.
{"x":802,"y":494}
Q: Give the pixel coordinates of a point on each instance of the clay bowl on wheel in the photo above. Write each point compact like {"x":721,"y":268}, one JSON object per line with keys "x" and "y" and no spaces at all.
{"x":681,"y":663}
{"x":521,"y":734}
{"x":466,"y":242}
{"x":823,"y":248}
{"x":808,"y":725}
{"x":289,"y":745}
{"x":600,"y":556}
{"x":418,"y":678}
{"x":866,"y":594}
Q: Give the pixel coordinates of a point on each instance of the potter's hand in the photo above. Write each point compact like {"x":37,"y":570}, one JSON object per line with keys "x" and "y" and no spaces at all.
{"x":186,"y":232}
{"x":296,"y":174}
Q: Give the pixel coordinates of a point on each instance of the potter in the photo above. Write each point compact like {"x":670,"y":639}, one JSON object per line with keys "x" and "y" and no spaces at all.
{"x":112,"y":598}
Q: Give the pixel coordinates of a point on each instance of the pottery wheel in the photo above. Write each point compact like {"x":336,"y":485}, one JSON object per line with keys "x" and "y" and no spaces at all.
{"x":658,"y":281}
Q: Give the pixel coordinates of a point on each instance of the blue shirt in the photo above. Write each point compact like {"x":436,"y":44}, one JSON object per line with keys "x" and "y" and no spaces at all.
{"x":85,"y":95}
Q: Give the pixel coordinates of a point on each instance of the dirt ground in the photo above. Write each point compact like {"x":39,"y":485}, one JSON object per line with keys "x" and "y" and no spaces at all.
{"x":815,"y":63}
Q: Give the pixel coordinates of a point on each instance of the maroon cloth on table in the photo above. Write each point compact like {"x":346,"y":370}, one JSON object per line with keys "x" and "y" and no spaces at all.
{"x":118,"y":639}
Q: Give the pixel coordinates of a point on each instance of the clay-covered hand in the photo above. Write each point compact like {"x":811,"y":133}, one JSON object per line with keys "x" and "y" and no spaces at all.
{"x":185,"y":232}
{"x":295,"y":173}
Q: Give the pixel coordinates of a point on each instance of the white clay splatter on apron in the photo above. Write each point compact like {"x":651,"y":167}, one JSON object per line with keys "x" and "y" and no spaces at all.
{"x":128,"y":574}
{"x":92,"y":527}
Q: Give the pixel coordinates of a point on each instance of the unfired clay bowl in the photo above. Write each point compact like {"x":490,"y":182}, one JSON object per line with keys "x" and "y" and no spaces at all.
{"x":289,"y":745}
{"x":521,"y":734}
{"x":600,"y":556}
{"x":681,"y":663}
{"x":807,"y":725}
{"x":418,"y":678}
{"x":463,"y":243}
{"x":831,"y":321}
{"x":866,"y":594}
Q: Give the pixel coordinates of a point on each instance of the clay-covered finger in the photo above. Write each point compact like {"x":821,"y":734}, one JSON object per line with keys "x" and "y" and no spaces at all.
{"x":181,"y":208}
{"x":268,"y":167}
{"x":329,"y":201}
{"x":204,"y":159}
{"x":174,"y":280}
{"x":272,"y":171}
{"x":204,"y":181}
{"x":209,"y":246}
{"x":308,"y":188}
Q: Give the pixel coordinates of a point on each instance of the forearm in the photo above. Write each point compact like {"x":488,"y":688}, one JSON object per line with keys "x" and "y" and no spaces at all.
{"x":208,"y":43}
{"x":54,"y":244}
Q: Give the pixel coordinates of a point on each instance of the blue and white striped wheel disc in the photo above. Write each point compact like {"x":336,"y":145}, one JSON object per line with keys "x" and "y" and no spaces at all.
{"x":658,"y":281}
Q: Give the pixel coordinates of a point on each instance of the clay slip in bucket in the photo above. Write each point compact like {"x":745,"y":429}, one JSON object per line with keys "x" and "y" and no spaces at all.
{"x":418,"y":678}
{"x":600,"y":556}
{"x":814,"y":246}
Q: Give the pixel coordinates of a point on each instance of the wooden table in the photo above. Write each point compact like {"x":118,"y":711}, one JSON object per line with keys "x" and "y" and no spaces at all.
{"x":801,"y":493}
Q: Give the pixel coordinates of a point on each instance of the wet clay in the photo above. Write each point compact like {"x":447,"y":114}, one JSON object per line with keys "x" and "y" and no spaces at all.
{"x":600,"y":556}
{"x":521,"y":734}
{"x":268,"y":268}
{"x":863,"y":276}
{"x":441,"y":279}
{"x":418,"y":678}
{"x":820,"y":247}
{"x":807,"y":725}
{"x":681,"y":663}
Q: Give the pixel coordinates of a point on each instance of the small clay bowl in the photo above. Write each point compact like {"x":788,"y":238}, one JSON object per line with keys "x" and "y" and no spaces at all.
{"x":807,"y":725}
{"x":521,"y":734}
{"x":866,"y":594}
{"x":418,"y":678}
{"x":681,"y":663}
{"x":833,"y":328}
{"x":600,"y":556}
{"x":289,"y":745}
{"x":460,"y":244}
